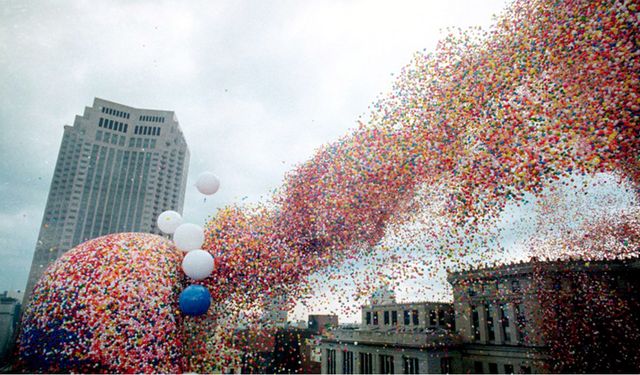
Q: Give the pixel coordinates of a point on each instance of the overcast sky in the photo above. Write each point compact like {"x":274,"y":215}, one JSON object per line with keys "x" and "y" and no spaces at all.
{"x":256,"y":85}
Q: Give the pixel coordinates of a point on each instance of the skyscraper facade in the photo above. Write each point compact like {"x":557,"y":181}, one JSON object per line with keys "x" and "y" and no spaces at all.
{"x":118,"y":168}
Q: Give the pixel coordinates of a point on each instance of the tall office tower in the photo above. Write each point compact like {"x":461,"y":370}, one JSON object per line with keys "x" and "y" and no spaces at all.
{"x":118,"y":168}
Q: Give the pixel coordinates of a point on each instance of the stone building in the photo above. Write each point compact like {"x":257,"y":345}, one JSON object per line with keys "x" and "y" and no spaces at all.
{"x":408,"y":338}
{"x":534,"y":317}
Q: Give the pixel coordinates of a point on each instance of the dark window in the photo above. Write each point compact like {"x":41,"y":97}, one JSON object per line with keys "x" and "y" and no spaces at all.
{"x":125,"y":127}
{"x":331,"y":361}
{"x":414,"y":315}
{"x":508,"y":369}
{"x":445,"y":365}
{"x":490,"y":328}
{"x":386,"y":364}
{"x":375,"y":318}
{"x":477,"y":367}
{"x":441,"y":317}
{"x":504,"y":318}
{"x":515,"y":285}
{"x":159,"y":131}
{"x":386,"y":318}
{"x":394,"y":317}
{"x":368,"y":317}
{"x":493,"y":368}
{"x":407,"y":319}
{"x":410,"y":365}
{"x":525,"y":369}
{"x":521,"y":323}
{"x":366,"y":363}
{"x":347,"y":363}
{"x":432,"y":318}
{"x":100,"y":122}
{"x":475,"y":319}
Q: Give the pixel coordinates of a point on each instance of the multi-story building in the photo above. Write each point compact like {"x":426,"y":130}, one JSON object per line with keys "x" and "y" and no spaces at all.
{"x":539,"y":316}
{"x":549,"y":316}
{"x":408,"y":338}
{"x":9,"y":317}
{"x":118,"y":168}
{"x":496,"y":315}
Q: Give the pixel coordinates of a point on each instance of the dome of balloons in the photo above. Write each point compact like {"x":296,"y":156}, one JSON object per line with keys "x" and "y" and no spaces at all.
{"x":108,"y":305}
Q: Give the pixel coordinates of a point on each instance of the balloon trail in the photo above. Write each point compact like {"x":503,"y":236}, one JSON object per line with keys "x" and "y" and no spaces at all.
{"x":552,"y":90}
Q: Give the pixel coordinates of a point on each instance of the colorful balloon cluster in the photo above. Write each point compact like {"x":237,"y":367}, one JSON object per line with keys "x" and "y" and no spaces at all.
{"x":106,"y":306}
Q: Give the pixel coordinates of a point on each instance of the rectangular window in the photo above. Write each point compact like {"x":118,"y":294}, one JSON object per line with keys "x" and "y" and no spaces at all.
{"x":394,"y":318}
{"x":366,"y":363}
{"x":386,"y":364}
{"x":441,"y":318}
{"x":407,"y":318}
{"x":490,"y":328}
{"x":347,"y":362}
{"x":515,"y":286}
{"x":126,"y":126}
{"x":508,"y":369}
{"x":475,"y":323}
{"x":504,"y":319}
{"x":386,"y":318}
{"x":331,"y":361}
{"x":159,"y":131}
{"x":100,"y":122}
{"x":432,"y":318}
{"x":121,"y":143}
{"x":478,"y":368}
{"x":414,"y":314}
{"x":98,"y":135}
{"x":493,"y":368}
{"x":521,"y":323}
{"x":410,"y":365}
{"x":106,"y":137}
{"x":368,"y":317}
{"x":445,"y":365}
{"x":375,"y":318}
{"x":525,"y":369}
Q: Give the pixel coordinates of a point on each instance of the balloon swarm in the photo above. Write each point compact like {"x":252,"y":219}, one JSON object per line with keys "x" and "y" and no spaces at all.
{"x":489,"y":117}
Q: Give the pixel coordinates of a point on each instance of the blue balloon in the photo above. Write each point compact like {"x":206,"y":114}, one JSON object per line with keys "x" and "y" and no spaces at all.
{"x":195,"y":300}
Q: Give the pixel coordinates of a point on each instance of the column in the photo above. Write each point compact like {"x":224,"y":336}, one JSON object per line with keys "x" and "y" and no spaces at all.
{"x":397,"y":363}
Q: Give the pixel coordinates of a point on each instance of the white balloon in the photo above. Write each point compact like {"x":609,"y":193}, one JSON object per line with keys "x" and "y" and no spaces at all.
{"x":208,"y":183}
{"x":168,"y":221}
{"x":188,"y":237}
{"x":197,"y":264}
